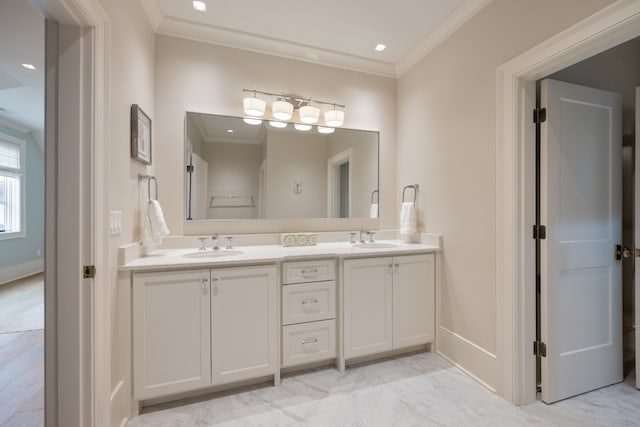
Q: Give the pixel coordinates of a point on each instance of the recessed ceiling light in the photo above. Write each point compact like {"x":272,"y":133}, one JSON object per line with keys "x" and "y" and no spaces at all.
{"x":380,"y":47}
{"x":199,"y":5}
{"x":229,"y":130}
{"x":29,"y":66}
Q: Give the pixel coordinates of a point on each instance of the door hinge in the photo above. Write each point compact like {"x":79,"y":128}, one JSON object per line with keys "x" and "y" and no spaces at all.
{"x":539,"y":115}
{"x":190,"y":168}
{"x":539,"y":349}
{"x":539,"y":232}
{"x":89,"y":271}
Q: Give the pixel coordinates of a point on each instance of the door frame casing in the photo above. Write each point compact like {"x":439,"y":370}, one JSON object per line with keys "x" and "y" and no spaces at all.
{"x":78,"y":393}
{"x":515,"y":184}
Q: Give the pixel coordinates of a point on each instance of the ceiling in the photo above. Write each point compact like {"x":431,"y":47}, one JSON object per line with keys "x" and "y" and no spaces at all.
{"x":22,"y":90}
{"x":340,"y":33}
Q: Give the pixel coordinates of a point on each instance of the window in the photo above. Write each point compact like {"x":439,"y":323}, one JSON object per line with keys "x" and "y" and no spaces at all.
{"x":11,"y":187}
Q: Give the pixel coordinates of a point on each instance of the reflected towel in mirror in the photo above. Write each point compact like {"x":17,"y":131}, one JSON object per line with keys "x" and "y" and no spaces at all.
{"x":373,"y":213}
{"x":154,"y":226}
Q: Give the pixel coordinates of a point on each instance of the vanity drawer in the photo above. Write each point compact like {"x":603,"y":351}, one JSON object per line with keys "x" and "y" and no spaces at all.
{"x":307,"y":302}
{"x":308,"y":342}
{"x":308,"y":271}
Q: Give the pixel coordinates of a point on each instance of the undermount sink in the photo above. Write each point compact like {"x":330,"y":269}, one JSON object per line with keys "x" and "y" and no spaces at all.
{"x":375,"y":245}
{"x":212,"y":254}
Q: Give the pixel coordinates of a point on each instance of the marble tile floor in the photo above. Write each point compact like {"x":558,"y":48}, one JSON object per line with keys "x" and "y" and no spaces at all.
{"x":417,"y":390}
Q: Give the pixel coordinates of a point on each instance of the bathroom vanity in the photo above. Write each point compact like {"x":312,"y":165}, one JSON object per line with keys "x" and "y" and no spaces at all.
{"x":210,"y":320}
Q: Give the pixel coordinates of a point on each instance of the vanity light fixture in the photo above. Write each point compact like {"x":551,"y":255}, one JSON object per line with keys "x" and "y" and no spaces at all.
{"x":285,"y":105}
{"x":302,"y":127}
{"x":200,"y":6}
{"x":380,"y":47}
{"x":29,"y":66}
{"x":277,"y":124}
{"x":323,"y":129}
{"x":254,"y":106}
{"x":252,"y":121}
{"x":334,"y":117}
{"x":309,"y":114}
{"x":282,"y":109}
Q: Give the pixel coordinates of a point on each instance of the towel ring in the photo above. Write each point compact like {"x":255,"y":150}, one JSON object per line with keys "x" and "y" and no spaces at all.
{"x":149,"y":178}
{"x":372,"y":195}
{"x":415,"y":192}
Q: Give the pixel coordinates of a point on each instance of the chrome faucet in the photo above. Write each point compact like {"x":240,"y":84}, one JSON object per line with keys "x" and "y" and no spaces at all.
{"x":362,"y":234}
{"x":215,"y":247}
{"x":229,"y":245}
{"x":202,"y":243}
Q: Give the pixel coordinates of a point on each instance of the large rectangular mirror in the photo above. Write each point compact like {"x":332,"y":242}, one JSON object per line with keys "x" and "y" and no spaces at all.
{"x":236,"y":170}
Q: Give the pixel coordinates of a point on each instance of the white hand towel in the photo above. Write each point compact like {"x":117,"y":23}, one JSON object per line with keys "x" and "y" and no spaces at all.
{"x":373,"y":213}
{"x":153,"y":224}
{"x":408,"y":218}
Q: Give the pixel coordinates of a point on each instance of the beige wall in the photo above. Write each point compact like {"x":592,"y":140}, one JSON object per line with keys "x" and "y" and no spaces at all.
{"x":446,"y":143}
{"x":132,"y":82}
{"x":200,"y":77}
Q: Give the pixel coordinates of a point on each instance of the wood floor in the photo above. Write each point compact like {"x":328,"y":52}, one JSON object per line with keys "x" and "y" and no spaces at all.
{"x":21,"y":354}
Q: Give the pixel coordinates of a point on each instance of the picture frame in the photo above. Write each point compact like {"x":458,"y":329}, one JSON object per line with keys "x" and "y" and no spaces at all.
{"x":140,"y":135}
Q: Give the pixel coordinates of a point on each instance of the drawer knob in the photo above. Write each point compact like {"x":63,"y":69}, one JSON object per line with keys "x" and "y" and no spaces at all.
{"x":309,"y":341}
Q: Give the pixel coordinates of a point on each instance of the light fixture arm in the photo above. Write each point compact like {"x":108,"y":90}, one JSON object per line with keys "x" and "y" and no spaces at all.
{"x":299,"y":101}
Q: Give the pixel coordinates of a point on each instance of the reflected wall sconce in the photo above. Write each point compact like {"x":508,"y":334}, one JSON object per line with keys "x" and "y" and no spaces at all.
{"x":285,"y":107}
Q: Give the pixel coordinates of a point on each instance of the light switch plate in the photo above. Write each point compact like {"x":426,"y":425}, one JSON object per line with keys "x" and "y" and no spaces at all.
{"x":115,"y":222}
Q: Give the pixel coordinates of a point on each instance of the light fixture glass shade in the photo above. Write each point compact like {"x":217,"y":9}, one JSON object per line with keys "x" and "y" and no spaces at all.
{"x":323,"y":129}
{"x":309,"y":114}
{"x":302,"y":127}
{"x":282,"y":110}
{"x":252,"y":121}
{"x":276,"y":124}
{"x":334,"y":118}
{"x":254,"y":106}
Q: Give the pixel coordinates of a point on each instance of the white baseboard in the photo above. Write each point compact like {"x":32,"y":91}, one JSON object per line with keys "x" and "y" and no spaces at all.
{"x":469,"y":357}
{"x":19,"y":271}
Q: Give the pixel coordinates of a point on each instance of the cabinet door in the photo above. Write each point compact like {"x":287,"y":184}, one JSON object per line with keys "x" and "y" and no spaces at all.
{"x":367,"y":306}
{"x":243,"y":323}
{"x":171,"y":333}
{"x":413,"y":300}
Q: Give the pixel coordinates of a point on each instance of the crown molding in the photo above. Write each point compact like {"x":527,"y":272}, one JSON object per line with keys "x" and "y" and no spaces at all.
{"x":153,"y":12}
{"x":270,"y":46}
{"x":448,"y":27}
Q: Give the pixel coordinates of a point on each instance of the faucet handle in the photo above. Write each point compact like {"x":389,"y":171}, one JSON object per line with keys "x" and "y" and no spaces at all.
{"x":371,"y":234}
{"x":215,"y":242}
{"x":202,"y":243}
{"x":229,"y":245}
{"x":353,"y":237}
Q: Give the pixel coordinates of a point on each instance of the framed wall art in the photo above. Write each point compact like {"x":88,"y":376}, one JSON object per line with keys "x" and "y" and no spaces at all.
{"x":140,"y":135}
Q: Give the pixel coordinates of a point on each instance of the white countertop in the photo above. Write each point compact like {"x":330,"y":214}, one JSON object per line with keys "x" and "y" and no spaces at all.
{"x":171,"y":259}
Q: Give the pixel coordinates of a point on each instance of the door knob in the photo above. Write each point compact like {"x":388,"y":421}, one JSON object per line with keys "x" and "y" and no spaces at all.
{"x":626,"y":252}
{"x":621,"y":252}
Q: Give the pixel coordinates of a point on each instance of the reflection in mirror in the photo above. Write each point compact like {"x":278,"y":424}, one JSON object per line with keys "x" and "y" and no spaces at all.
{"x":240,"y":171}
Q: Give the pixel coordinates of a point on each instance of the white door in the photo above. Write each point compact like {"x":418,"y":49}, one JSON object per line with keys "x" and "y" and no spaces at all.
{"x":580,"y":204}
{"x":413,"y":300}
{"x":368,"y":295}
{"x":171,"y":333}
{"x":637,"y":238}
{"x":243,"y":323}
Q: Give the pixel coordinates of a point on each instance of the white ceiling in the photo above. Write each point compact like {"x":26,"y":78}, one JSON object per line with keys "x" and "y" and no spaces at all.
{"x":21,"y":90}
{"x":340,"y":33}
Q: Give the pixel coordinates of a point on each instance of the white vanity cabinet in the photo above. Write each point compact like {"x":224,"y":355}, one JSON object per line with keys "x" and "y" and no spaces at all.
{"x":194,"y":329}
{"x":388,"y":303}
{"x":308,"y":311}
{"x":171,"y":332}
{"x":243,"y":323}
